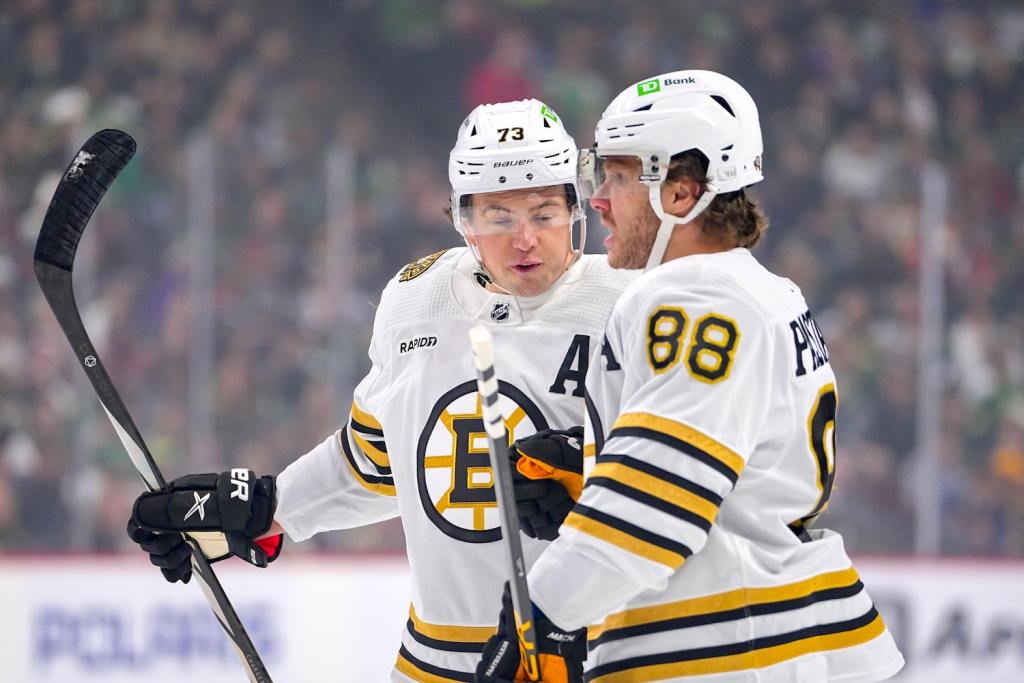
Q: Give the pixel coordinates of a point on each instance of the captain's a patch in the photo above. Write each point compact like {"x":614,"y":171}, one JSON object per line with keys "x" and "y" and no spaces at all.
{"x":419,"y":266}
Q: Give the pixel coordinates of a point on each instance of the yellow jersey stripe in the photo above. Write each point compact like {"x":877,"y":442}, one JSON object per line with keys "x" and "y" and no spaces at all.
{"x":723,"y":602}
{"x":758,"y":658}
{"x":623,"y":540}
{"x":379,"y":457}
{"x":457,"y":634}
{"x":407,"y":667}
{"x":589,"y":450}
{"x":685,"y":433}
{"x":363,"y":417}
{"x":658,"y":488}
{"x":381,"y":485}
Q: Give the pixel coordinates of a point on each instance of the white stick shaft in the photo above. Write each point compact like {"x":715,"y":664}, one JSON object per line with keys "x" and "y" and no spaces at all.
{"x":497,"y":443}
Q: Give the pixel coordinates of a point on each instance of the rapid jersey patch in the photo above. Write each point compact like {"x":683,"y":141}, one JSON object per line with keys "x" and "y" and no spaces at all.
{"x":419,"y":266}
{"x":410,"y":345}
{"x":453,"y":470}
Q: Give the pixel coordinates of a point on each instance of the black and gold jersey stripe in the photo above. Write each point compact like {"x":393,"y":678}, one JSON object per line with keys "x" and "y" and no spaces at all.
{"x":748,"y":654}
{"x":728,"y":606}
{"x":421,"y":671}
{"x":448,"y":638}
{"x":681,"y":437}
{"x":379,"y":482}
{"x":365,"y":422}
{"x":369,"y":437}
{"x":656,"y":488}
{"x":627,"y":536}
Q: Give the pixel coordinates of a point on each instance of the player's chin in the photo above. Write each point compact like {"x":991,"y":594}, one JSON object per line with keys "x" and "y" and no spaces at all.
{"x":616,"y":256}
{"x":624,"y":259}
{"x":529,"y":282}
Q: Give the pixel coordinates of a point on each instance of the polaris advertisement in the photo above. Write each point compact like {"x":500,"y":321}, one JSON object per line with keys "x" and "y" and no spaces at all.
{"x":340,"y":619}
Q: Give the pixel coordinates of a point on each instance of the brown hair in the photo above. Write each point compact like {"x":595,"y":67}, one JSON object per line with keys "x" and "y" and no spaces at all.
{"x":729,"y":215}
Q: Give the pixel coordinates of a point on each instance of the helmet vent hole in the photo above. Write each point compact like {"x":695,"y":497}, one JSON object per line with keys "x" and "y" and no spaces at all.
{"x":646,"y":107}
{"x":725,"y":105}
{"x":473,"y":132}
{"x":546,"y":124}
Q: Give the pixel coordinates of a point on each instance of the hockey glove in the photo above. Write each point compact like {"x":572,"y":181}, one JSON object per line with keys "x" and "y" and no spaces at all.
{"x":223,"y":513}
{"x":168,"y":551}
{"x":562,"y":653}
{"x":548,"y":480}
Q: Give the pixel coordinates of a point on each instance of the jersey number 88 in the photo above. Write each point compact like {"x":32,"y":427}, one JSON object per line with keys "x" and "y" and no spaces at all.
{"x":709,"y":351}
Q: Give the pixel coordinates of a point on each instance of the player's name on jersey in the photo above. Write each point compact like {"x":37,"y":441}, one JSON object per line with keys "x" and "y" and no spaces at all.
{"x":807,"y":339}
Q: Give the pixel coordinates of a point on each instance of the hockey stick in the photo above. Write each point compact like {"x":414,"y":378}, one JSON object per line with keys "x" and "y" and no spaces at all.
{"x":497,"y":446}
{"x":80,"y":190}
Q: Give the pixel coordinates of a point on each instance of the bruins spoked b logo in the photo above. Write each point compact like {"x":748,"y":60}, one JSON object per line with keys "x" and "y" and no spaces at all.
{"x":453,"y":470}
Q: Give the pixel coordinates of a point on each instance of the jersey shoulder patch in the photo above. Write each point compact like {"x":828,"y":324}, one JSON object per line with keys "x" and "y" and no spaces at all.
{"x":419,"y":266}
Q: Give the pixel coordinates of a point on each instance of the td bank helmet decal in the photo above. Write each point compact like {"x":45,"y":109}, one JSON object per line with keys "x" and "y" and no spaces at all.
{"x":453,"y":469}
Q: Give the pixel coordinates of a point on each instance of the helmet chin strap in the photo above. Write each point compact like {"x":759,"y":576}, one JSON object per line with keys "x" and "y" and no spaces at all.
{"x":669,"y":222}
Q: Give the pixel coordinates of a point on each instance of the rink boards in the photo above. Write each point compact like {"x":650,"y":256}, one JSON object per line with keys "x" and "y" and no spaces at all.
{"x":319,"y":619}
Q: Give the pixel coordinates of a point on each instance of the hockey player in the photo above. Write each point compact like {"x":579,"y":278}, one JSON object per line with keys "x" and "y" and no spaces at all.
{"x":414,"y":444}
{"x":691,"y":553}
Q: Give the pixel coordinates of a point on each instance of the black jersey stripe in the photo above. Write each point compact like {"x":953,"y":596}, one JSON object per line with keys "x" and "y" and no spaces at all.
{"x":384,"y":485}
{"x":674,"y":479}
{"x":734,"y":614}
{"x":650,"y":501}
{"x":377,"y":442}
{"x":450,"y":638}
{"x":422,"y":671}
{"x":735,"y":598}
{"x":679,"y":445}
{"x":438,"y":644}
{"x":365,"y":429}
{"x":633,"y":530}
{"x":382,"y":470}
{"x":682,"y":437}
{"x":749,"y":653}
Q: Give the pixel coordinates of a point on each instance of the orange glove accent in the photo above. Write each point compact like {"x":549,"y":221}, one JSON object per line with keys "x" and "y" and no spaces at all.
{"x":531,"y":468}
{"x":552,"y":670}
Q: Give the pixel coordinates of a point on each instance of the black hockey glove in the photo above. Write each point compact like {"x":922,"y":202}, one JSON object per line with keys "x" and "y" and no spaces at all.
{"x":223,"y":513}
{"x":562,"y":653}
{"x":548,"y":479}
{"x":169,"y":551}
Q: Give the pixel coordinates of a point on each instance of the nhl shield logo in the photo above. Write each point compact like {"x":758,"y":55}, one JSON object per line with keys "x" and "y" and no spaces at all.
{"x":499,"y":313}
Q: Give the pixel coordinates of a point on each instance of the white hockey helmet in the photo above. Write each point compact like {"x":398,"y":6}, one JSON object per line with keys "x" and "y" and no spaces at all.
{"x":512,"y":146}
{"x":676,"y":112}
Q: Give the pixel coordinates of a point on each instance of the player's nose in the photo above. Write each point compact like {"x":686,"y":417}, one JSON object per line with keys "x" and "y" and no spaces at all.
{"x":600,"y":204}
{"x":525,"y":237}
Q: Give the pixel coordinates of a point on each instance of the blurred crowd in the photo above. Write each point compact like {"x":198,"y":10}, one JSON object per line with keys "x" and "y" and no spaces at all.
{"x":240,"y":107}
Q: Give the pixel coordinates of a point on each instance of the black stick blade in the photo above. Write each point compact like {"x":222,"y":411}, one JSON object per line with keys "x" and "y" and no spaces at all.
{"x":86,"y":180}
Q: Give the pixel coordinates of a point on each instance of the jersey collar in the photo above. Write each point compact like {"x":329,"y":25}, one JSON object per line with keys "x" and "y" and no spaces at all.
{"x":497,"y":308}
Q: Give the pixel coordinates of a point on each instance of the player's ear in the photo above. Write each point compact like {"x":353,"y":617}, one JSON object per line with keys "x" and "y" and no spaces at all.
{"x":678,"y":196}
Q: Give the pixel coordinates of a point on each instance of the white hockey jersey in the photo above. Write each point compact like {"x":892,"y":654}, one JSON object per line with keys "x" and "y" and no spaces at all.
{"x":415,"y":444}
{"x":688,"y":554}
